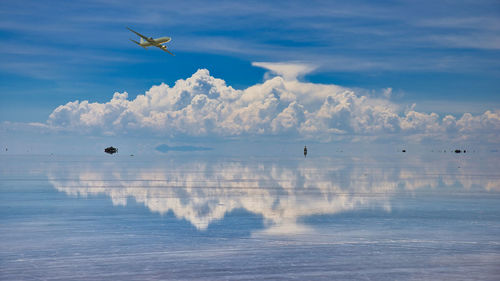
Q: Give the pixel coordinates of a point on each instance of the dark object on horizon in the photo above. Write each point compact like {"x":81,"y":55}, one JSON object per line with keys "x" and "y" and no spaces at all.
{"x":183,"y":148}
{"x":111,"y":150}
{"x":305,"y":151}
{"x":465,"y":150}
{"x":457,"y":151}
{"x":404,"y":150}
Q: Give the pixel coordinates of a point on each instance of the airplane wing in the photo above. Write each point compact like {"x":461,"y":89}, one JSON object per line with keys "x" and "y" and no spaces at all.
{"x":165,"y":49}
{"x":140,"y":35}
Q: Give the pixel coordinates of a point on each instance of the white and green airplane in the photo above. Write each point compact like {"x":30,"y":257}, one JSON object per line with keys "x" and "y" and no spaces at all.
{"x":149,"y":41}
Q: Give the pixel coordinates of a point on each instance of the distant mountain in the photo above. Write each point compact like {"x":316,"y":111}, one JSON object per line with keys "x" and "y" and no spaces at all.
{"x":165,"y":148}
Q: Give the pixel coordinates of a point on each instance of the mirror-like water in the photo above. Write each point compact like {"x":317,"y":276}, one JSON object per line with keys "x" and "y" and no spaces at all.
{"x":433,"y":216}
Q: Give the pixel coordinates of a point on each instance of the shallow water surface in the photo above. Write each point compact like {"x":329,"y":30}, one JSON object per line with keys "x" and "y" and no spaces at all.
{"x":391,"y":217}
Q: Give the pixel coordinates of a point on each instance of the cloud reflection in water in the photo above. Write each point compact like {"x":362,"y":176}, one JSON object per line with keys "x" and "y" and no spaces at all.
{"x":203,"y":191}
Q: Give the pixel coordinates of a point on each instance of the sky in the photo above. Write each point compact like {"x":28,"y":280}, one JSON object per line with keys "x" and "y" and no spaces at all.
{"x":325,"y":71}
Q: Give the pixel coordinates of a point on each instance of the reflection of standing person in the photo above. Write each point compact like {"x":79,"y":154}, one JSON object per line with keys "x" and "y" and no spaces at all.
{"x":305,"y":151}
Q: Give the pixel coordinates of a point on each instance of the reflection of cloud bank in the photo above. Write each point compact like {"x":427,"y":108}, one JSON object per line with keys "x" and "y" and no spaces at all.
{"x":202,"y":192}
{"x":205,"y":106}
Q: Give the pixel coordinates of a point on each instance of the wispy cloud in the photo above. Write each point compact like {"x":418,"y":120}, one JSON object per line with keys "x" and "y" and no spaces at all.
{"x":289,"y":71}
{"x":364,"y":31}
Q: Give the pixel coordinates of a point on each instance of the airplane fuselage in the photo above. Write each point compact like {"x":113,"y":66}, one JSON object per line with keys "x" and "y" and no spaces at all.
{"x":154,"y":42}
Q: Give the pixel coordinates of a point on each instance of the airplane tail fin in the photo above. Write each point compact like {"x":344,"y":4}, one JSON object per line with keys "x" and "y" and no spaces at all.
{"x":137,"y":43}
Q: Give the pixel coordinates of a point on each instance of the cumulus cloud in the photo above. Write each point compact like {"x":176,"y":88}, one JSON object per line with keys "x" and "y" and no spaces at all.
{"x":202,"y":105}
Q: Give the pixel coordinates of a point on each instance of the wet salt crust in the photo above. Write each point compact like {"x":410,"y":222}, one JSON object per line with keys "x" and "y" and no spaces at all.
{"x":400,"y":217}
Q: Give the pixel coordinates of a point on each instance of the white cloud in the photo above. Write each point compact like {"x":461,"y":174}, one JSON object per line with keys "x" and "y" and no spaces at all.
{"x":289,"y":71}
{"x":205,"y":106}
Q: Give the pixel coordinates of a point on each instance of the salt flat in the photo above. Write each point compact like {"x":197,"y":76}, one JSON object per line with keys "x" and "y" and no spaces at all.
{"x":394,"y":216}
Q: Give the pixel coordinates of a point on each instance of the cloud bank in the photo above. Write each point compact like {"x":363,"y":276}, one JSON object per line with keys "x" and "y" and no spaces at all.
{"x":202,"y":106}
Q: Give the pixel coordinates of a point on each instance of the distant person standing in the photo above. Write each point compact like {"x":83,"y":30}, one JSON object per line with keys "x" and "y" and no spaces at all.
{"x":305,"y":151}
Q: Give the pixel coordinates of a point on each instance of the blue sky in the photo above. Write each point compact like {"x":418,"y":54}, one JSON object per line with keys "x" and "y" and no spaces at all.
{"x":443,"y":56}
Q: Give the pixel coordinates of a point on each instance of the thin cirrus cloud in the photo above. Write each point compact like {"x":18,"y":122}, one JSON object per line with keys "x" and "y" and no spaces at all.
{"x":202,"y":106}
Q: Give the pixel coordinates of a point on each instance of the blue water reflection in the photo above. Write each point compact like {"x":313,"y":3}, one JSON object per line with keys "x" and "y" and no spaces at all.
{"x":282,"y":193}
{"x":429,"y":216}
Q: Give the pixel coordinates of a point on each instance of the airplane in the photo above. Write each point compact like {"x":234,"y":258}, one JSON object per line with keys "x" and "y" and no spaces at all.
{"x":149,"y":41}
